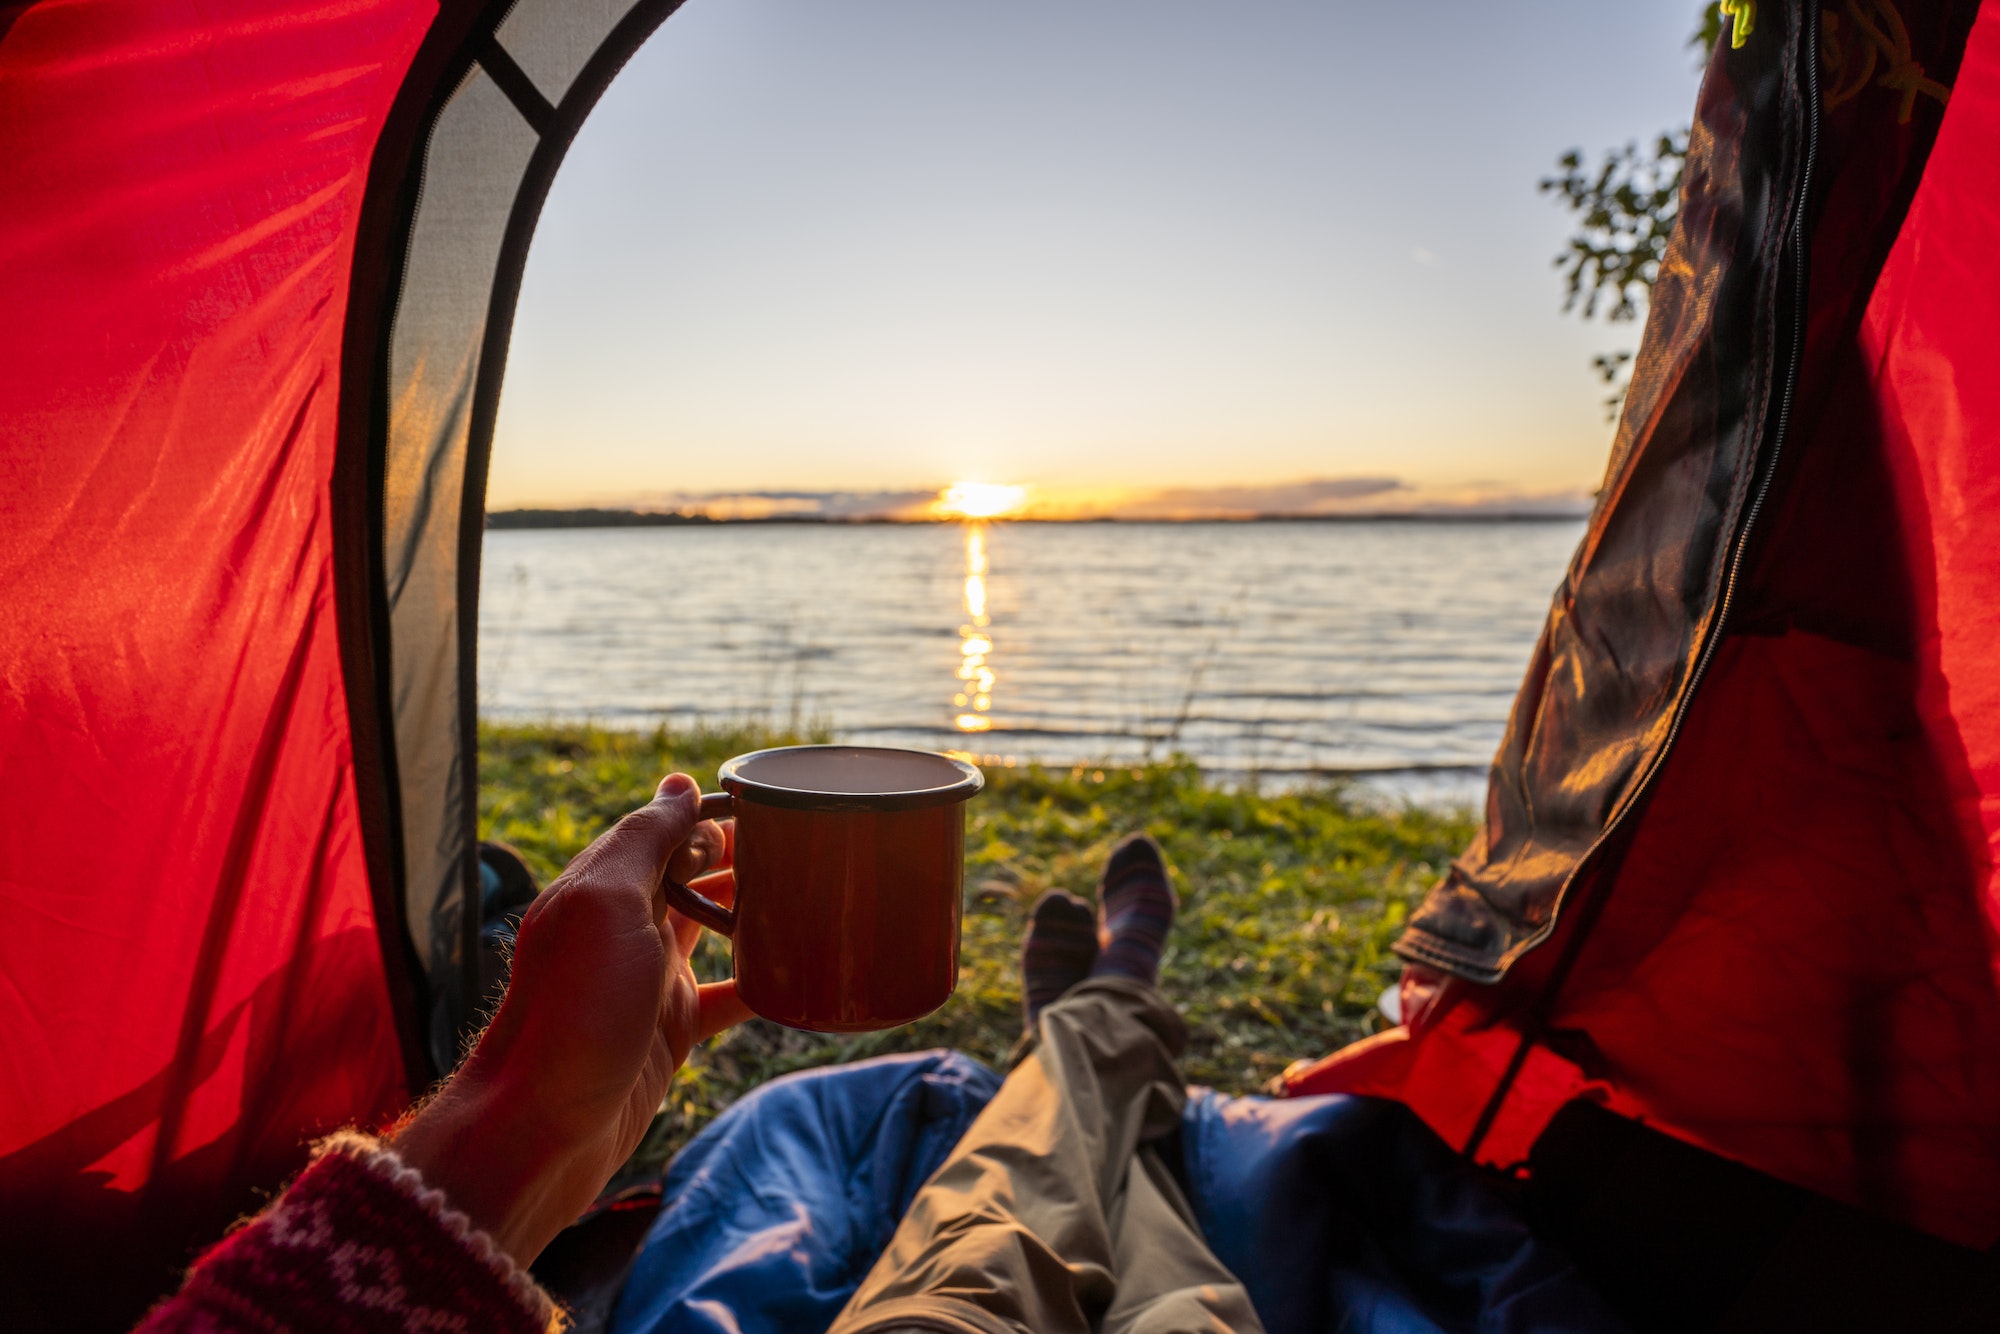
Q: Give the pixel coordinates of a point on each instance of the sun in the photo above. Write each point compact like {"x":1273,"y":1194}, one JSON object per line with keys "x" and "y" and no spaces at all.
{"x":980,"y":500}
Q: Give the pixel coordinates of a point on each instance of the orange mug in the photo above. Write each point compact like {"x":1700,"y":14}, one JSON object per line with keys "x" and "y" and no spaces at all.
{"x":850,"y":869}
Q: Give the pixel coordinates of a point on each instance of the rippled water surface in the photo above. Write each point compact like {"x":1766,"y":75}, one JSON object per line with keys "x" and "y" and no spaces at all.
{"x":1388,"y":649}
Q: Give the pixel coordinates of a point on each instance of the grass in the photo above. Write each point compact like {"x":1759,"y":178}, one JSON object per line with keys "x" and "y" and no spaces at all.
{"x":1289,"y":901}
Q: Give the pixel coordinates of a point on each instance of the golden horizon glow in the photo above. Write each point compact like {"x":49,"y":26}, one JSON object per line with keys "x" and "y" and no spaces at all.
{"x":980,"y":500}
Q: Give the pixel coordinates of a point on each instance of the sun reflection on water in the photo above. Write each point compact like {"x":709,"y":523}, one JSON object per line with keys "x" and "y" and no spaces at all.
{"x":975,"y":672}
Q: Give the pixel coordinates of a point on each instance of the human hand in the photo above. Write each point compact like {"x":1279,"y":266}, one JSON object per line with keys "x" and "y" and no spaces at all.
{"x":601,"y":1010}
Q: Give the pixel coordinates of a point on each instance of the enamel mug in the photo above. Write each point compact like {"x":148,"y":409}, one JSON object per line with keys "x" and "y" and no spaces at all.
{"x":850,"y":869}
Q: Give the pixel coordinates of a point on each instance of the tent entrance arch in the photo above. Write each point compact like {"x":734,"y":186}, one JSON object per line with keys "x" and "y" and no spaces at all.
{"x":509,"y":99}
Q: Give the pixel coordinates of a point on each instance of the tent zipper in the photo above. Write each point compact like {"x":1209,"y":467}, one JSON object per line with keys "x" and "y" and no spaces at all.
{"x":1769,"y":463}
{"x":1766,"y":463}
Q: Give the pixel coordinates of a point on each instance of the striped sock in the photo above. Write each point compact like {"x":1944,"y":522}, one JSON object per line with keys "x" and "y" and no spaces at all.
{"x":1137,"y":905}
{"x":1058,"y":950}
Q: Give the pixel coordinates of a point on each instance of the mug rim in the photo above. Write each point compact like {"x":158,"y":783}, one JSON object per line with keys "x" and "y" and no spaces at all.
{"x":968,"y":783}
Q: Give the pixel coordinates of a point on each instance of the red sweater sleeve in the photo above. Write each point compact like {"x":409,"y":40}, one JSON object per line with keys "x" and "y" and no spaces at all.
{"x":357,"y":1244}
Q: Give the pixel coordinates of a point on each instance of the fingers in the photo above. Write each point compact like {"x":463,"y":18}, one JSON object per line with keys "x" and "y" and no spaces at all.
{"x":717,"y":885}
{"x":705,"y":849}
{"x":665,"y":837}
{"x":685,"y":867}
{"x":720,"y":1008}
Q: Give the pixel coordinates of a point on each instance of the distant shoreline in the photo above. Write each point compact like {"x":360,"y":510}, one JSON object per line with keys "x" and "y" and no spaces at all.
{"x":519,"y":519}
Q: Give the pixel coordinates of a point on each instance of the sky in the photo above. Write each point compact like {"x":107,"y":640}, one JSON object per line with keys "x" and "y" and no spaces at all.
{"x":1092,"y":247}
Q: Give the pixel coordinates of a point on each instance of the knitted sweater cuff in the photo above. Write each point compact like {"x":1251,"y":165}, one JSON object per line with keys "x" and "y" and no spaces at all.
{"x":358,"y":1243}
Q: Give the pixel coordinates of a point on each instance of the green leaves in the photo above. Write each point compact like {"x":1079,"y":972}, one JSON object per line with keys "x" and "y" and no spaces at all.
{"x":1626,"y":207}
{"x":1625,"y":211}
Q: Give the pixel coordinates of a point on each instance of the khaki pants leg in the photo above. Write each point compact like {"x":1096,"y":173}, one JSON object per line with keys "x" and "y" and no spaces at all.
{"x":1052,"y":1215}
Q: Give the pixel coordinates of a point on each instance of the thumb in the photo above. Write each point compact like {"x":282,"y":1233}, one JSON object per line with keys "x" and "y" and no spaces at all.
{"x":633,"y":853}
{"x":664,"y":824}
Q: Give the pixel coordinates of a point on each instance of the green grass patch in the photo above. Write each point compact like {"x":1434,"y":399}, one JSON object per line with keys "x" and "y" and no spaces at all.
{"x":1289,"y":901}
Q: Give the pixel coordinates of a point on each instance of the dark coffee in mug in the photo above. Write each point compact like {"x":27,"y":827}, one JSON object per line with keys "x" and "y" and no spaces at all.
{"x":850,"y":869}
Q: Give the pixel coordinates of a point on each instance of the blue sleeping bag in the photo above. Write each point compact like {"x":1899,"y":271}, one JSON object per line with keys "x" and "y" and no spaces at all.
{"x":773,"y":1214}
{"x":1339,"y":1214}
{"x":1350,"y":1215}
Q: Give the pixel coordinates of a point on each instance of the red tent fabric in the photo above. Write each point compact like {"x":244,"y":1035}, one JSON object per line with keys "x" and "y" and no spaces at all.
{"x":1794,"y":962}
{"x":193,"y":975}
{"x":259,"y":259}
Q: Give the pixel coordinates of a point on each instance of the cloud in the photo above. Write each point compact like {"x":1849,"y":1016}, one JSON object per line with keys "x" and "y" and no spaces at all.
{"x":1327,"y":495}
{"x":1494,"y":500}
{"x":1318,"y":497}
{"x":789,"y":504}
{"x":1324,"y":497}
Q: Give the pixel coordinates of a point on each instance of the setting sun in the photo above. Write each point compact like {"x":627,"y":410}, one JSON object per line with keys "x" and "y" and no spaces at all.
{"x":980,"y":500}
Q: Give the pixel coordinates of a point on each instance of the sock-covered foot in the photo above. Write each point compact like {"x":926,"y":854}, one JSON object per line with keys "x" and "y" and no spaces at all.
{"x":1137,"y":907}
{"x":1059,"y":949}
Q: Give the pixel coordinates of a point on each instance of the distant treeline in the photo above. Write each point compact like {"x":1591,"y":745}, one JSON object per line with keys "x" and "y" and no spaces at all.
{"x":645,"y":519}
{"x":621,"y":519}
{"x":589,"y":519}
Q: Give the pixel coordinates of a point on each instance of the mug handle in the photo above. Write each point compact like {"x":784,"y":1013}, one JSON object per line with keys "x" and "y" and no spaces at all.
{"x":691,"y":902}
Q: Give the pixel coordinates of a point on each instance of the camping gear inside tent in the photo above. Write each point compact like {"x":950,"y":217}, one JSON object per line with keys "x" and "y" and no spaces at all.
{"x":259,"y":260}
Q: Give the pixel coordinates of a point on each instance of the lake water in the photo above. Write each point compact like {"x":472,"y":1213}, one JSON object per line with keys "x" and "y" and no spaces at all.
{"x":1387,"y":650}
